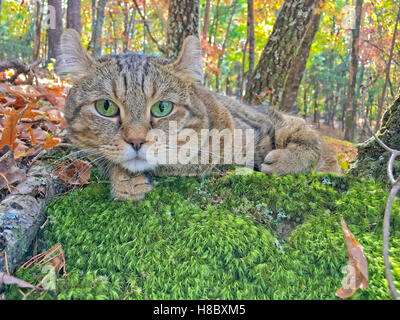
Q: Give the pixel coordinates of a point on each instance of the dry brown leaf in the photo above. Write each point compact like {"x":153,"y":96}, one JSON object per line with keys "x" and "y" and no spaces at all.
{"x":9,"y":168}
{"x":75,"y":173}
{"x":9,"y":134}
{"x":357,"y":268}
{"x":24,"y":91}
{"x":7,"y":279}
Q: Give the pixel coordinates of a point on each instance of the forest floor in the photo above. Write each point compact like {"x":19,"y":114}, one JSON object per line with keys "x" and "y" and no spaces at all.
{"x":235,"y":234}
{"x":224,"y":236}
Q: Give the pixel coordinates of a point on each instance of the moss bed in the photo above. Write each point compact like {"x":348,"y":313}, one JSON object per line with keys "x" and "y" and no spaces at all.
{"x":218,"y":237}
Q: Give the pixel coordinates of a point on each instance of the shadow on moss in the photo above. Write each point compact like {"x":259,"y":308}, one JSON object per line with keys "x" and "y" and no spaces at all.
{"x":219,"y":238}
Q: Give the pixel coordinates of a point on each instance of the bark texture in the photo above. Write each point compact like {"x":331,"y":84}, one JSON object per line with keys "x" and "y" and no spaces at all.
{"x":95,"y":43}
{"x":372,"y":159}
{"x":74,"y":18}
{"x":54,"y":34}
{"x":250,"y":35}
{"x":183,"y":21}
{"x":268,"y":79}
{"x":295,"y":75}
{"x":23,"y":212}
{"x":355,"y":51}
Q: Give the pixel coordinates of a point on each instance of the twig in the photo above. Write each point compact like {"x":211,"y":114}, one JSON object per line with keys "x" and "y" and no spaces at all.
{"x":163,"y":50}
{"x":393,"y":192}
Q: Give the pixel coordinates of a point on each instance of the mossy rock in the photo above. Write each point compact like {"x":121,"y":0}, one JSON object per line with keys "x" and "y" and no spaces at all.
{"x":216,"y":238}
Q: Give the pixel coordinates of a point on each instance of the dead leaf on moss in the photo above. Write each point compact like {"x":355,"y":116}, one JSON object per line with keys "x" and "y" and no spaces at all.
{"x":357,"y":268}
{"x":9,"y":168}
{"x":7,"y":279}
{"x":75,"y":173}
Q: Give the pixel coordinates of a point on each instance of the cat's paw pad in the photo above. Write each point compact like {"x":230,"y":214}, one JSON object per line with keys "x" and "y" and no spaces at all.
{"x":131,"y":188}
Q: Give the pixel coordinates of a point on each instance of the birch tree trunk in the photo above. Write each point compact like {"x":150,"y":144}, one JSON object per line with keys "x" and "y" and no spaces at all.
{"x":183,"y":21}
{"x":268,"y":79}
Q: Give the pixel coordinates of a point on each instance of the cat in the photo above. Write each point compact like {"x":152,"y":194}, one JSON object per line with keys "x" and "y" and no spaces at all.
{"x":117,"y":100}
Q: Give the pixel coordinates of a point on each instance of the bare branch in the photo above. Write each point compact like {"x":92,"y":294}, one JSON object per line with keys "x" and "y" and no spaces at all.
{"x":163,"y":50}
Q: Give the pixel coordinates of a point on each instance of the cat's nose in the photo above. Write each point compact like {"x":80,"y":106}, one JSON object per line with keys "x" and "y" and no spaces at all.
{"x":137,"y":143}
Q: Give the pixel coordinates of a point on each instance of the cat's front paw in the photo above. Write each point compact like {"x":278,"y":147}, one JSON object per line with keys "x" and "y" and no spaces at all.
{"x":277,"y":162}
{"x":130,"y":188}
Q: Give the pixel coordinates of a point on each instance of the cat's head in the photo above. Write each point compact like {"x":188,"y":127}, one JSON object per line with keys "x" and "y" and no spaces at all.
{"x":116,"y":100}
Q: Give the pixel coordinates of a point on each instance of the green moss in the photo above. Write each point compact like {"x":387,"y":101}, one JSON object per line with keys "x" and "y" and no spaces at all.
{"x":201,"y":238}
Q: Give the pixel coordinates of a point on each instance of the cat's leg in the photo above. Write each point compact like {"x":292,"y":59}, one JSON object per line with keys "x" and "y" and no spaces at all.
{"x":127,"y":186}
{"x":297,"y":149}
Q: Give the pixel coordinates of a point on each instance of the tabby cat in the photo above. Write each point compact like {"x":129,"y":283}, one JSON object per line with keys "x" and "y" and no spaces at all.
{"x":117,"y":100}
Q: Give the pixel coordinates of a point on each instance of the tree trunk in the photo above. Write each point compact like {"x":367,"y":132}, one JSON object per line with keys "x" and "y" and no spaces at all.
{"x":54,"y":32}
{"x":293,"y":81}
{"x":250,"y":35}
{"x":355,"y":51}
{"x":183,"y":20}
{"x":98,"y":20}
{"x":372,"y":159}
{"x":221,"y":57}
{"x":268,"y":79}
{"x":387,"y":79}
{"x":206,"y":19}
{"x":74,"y":18}
{"x":38,"y":30}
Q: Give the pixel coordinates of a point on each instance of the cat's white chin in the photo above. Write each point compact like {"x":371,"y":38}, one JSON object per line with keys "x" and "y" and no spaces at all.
{"x":137,"y":165}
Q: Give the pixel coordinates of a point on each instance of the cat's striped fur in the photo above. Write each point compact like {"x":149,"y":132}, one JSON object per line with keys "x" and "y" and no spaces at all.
{"x":284,"y":143}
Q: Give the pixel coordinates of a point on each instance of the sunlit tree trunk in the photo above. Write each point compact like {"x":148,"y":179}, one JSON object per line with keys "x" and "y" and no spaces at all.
{"x":352,"y":101}
{"x":74,"y":18}
{"x":250,"y":35}
{"x":54,"y":32}
{"x":268,"y":79}
{"x":294,"y":77}
{"x":206,"y":19}
{"x":38,"y":29}
{"x":183,"y":20}
{"x":98,"y":20}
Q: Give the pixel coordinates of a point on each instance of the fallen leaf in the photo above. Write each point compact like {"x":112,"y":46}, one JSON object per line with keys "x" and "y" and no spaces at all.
{"x":357,"y":268}
{"x":9,"y":168}
{"x":9,"y":134}
{"x":7,"y":279}
{"x":51,"y":142}
{"x":75,"y":173}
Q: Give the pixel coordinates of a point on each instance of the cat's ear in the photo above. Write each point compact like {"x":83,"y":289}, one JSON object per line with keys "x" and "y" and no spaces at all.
{"x":72,"y":59}
{"x":188,"y":65}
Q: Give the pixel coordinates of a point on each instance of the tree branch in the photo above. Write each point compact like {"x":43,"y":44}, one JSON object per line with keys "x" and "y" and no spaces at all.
{"x":162,"y":49}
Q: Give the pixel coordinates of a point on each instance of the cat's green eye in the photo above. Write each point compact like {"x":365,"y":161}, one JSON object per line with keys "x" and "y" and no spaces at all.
{"x":161,"y":109}
{"x":107,"y":108}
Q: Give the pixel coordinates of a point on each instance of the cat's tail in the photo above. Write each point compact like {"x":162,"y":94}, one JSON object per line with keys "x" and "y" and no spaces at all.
{"x":328,"y":162}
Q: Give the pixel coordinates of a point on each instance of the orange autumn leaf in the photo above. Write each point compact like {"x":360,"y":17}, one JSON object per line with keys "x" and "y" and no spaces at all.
{"x":9,"y":134}
{"x":51,"y":142}
{"x":32,"y":115}
{"x":22,"y":154}
{"x":357,"y":268}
